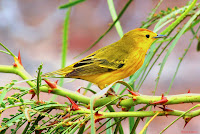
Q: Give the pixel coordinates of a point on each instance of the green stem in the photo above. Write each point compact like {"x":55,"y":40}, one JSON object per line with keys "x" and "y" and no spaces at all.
{"x":7,"y":50}
{"x":179,"y":19}
{"x":181,"y":59}
{"x":64,"y":46}
{"x":114,"y":17}
{"x":183,"y":114}
{"x":65,"y":42}
{"x":111,"y":109}
{"x":111,"y":26}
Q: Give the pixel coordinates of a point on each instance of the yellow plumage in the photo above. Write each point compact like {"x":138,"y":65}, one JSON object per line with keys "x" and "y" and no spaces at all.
{"x":113,"y":62}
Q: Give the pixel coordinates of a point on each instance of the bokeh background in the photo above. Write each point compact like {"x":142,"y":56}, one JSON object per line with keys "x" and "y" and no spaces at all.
{"x":35,"y":28}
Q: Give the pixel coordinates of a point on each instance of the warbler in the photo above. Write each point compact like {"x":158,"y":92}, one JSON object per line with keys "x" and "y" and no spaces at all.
{"x":113,"y":62}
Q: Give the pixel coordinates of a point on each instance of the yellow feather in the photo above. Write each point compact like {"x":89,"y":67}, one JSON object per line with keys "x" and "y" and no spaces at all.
{"x":113,"y":62}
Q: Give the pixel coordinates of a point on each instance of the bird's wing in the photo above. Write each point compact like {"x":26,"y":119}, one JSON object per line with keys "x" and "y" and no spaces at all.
{"x":91,"y":66}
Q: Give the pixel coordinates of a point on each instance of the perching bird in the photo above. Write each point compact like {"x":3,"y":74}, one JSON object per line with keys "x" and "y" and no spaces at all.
{"x":113,"y":62}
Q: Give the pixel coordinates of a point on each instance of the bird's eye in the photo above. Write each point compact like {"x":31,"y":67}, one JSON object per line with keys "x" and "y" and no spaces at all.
{"x":147,"y":35}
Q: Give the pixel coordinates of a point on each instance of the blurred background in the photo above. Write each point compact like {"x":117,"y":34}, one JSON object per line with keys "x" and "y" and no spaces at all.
{"x":35,"y":28}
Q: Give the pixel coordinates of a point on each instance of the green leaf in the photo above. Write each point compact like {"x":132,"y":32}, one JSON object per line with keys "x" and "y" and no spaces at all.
{"x":5,"y":119}
{"x":114,"y":17}
{"x":131,"y":120}
{"x":174,"y":43}
{"x":72,"y":3}
{"x":3,"y":105}
{"x":11,"y":101}
{"x":21,"y":100}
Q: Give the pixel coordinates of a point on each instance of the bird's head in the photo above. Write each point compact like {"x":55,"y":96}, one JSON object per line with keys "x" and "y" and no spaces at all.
{"x":142,"y":38}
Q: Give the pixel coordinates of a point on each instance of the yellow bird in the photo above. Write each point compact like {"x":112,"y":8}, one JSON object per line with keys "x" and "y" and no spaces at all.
{"x":113,"y":62}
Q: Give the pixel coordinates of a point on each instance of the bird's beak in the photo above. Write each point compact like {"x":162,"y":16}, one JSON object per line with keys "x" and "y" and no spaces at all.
{"x":160,"y":36}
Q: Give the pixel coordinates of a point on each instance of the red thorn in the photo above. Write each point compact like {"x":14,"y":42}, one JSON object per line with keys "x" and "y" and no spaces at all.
{"x":51,"y":84}
{"x":98,"y":116}
{"x":79,"y":90}
{"x":19,"y":58}
{"x":14,"y":64}
{"x":33,"y":93}
{"x":124,"y":109}
{"x":110,"y":93}
{"x":56,"y":82}
{"x":162,"y":101}
{"x":142,"y":118}
{"x":187,"y":119}
{"x":88,"y":107}
{"x":133,"y":93}
{"x":50,"y":90}
{"x":97,"y":120}
{"x":189,"y":91}
{"x":165,"y":108}
{"x":74,"y":105}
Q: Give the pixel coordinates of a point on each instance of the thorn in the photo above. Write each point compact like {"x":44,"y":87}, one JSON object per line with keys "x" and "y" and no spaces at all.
{"x":97,"y":115}
{"x":133,"y":93}
{"x":79,"y":90}
{"x":14,"y":64}
{"x":19,"y":58}
{"x":111,"y":92}
{"x":49,"y":91}
{"x":88,"y":106}
{"x":56,"y":82}
{"x":33,"y":93}
{"x":165,"y":108}
{"x":18,"y":61}
{"x":124,"y":109}
{"x":162,"y":101}
{"x":74,"y":106}
{"x":187,"y":119}
{"x":142,"y":118}
{"x":51,"y":84}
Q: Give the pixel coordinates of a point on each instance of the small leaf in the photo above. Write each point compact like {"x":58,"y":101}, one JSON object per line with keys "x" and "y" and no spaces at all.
{"x":5,"y":119}
{"x":3,"y":124}
{"x":19,"y":110}
{"x":43,"y":121}
{"x":14,"y":80}
{"x":3,"y":105}
{"x":169,"y":9}
{"x":11,"y":101}
{"x":21,"y":100}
